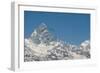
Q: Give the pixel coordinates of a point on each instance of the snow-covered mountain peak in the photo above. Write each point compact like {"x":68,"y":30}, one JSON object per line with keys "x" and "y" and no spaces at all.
{"x":42,"y":35}
{"x":85,"y":43}
{"x":43,"y":46}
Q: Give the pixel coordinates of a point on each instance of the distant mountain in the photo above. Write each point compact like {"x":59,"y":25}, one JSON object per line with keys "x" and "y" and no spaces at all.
{"x":42,"y":46}
{"x":85,"y":47}
{"x":42,"y":35}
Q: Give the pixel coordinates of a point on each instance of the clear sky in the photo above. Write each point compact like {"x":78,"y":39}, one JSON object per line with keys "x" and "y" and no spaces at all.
{"x":73,"y":28}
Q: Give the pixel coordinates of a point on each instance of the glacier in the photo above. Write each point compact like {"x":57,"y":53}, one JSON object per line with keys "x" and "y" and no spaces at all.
{"x":43,"y":46}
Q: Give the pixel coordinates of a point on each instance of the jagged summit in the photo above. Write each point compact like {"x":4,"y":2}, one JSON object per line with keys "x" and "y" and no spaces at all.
{"x":42,"y":35}
{"x":43,"y":25}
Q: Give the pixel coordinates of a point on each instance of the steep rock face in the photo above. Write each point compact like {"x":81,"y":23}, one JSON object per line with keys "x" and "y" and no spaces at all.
{"x":42,"y":46}
{"x":42,"y":35}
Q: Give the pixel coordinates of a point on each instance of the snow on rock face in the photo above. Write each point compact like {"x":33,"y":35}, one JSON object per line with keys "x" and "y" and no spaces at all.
{"x":85,"y":45}
{"x":42,"y":46}
{"x":85,"y":48}
{"x":38,"y":50}
{"x":42,"y":35}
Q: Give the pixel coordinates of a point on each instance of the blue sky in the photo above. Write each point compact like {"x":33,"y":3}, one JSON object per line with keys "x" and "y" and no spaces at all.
{"x":70,"y":27}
